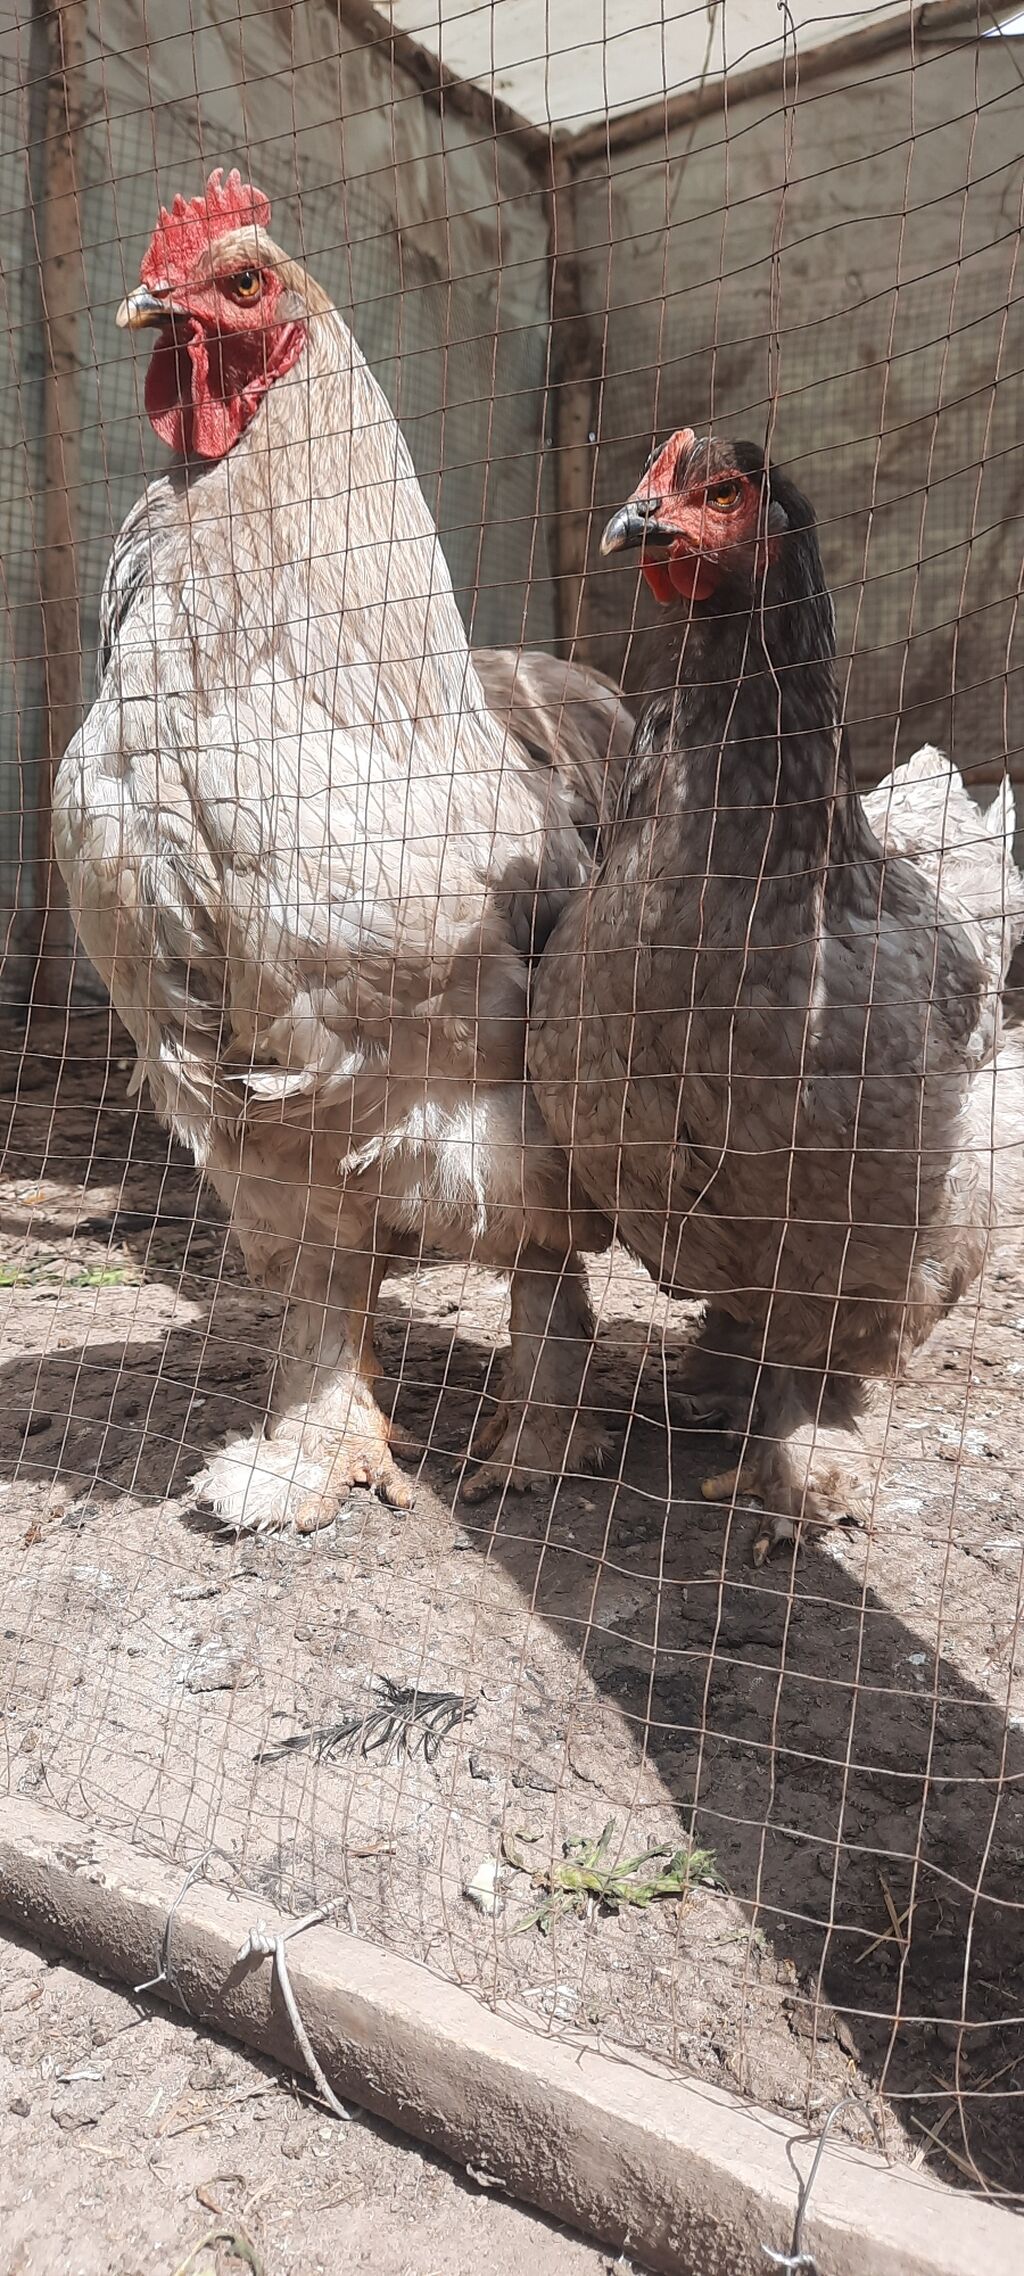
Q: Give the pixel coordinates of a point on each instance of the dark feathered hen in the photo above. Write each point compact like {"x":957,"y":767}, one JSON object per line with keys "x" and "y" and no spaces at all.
{"x":770,"y":1044}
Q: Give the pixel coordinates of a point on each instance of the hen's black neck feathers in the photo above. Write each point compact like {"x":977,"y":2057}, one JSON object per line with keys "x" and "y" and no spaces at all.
{"x":750,"y":722}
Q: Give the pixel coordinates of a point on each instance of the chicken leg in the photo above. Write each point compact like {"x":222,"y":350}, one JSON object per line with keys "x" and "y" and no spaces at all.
{"x":325,"y":1432}
{"x":540,"y":1426}
{"x":796,"y":1490}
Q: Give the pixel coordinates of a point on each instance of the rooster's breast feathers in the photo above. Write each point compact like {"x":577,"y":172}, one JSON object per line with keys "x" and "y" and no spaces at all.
{"x":295,"y":836}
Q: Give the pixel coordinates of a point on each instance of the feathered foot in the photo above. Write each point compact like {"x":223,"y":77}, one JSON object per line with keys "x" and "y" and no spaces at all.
{"x":325,"y":1433}
{"x":258,"y":1484}
{"x":524,"y":1452}
{"x":823,"y":1496}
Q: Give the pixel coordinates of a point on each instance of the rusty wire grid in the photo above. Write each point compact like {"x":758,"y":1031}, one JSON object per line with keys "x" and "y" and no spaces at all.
{"x":573,"y":1748}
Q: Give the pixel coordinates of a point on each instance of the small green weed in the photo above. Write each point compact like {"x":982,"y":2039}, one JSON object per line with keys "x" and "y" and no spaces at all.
{"x":101,"y":1276}
{"x":46,"y":1276}
{"x":585,"y":1881}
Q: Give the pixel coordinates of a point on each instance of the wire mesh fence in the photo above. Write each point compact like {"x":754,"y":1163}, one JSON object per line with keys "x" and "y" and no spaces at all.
{"x":572,"y":1746}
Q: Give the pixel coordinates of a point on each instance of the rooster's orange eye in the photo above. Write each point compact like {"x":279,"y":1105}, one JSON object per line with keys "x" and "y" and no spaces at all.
{"x":723,"y":495}
{"x":246,"y":284}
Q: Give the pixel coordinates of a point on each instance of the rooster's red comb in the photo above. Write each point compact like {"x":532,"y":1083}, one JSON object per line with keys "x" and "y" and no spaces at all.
{"x":183,"y":233}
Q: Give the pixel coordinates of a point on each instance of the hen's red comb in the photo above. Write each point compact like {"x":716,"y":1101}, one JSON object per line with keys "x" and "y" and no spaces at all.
{"x":183,"y":233}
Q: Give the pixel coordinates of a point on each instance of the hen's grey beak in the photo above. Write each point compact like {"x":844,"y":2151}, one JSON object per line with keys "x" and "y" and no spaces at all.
{"x":635,"y":524}
{"x":143,"y":307}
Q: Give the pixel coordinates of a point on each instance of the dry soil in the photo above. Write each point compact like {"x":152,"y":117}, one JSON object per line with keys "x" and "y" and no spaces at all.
{"x":844,"y":1734}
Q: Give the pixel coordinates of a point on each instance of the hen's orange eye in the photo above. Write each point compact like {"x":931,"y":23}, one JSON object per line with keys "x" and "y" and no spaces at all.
{"x":246,"y":284}
{"x":722,"y":495}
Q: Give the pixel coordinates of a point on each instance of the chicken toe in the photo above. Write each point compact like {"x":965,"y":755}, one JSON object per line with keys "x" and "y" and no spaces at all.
{"x":361,"y":1460}
{"x":825,"y":1497}
{"x":794,"y":1496}
{"x":720,"y":1378}
{"x":527,"y":1453}
{"x":723,"y":1484}
{"x":703,"y":1411}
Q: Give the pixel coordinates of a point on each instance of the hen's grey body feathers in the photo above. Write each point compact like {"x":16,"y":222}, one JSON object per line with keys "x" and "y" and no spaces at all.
{"x":768,"y":1035}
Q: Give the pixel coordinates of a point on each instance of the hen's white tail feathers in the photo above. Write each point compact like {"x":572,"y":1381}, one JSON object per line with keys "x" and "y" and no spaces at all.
{"x":1001,"y":816}
{"x":923,"y":812}
{"x":925,"y":806}
{"x":995,"y":1135}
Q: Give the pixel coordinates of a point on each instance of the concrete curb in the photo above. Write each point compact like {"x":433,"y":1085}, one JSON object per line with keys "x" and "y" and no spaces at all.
{"x":683,"y":2176}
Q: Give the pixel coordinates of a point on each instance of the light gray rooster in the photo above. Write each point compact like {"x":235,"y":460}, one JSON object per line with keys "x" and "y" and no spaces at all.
{"x":312,"y":866}
{"x":770,"y":1030}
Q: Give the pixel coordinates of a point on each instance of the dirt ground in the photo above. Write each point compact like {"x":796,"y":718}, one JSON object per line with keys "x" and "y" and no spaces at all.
{"x":844,"y":1735}
{"x":126,"y":2138}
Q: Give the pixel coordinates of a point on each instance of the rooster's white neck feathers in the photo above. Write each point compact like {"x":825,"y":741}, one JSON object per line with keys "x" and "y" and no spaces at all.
{"x":335,"y":567}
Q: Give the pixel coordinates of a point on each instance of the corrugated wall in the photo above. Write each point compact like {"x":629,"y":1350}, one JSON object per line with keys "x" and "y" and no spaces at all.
{"x":853,"y":256}
{"x":430,"y":234}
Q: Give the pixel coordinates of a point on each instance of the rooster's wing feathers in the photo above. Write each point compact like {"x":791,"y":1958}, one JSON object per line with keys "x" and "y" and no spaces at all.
{"x":252,"y":888}
{"x":567,"y":717}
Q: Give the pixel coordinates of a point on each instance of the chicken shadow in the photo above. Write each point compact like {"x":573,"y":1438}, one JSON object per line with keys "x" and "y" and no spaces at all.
{"x":835,"y":1761}
{"x":863,"y":1799}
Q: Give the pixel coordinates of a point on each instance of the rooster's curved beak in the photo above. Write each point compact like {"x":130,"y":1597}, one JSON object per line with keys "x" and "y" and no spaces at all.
{"x":143,"y":307}
{"x":636,"y":524}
